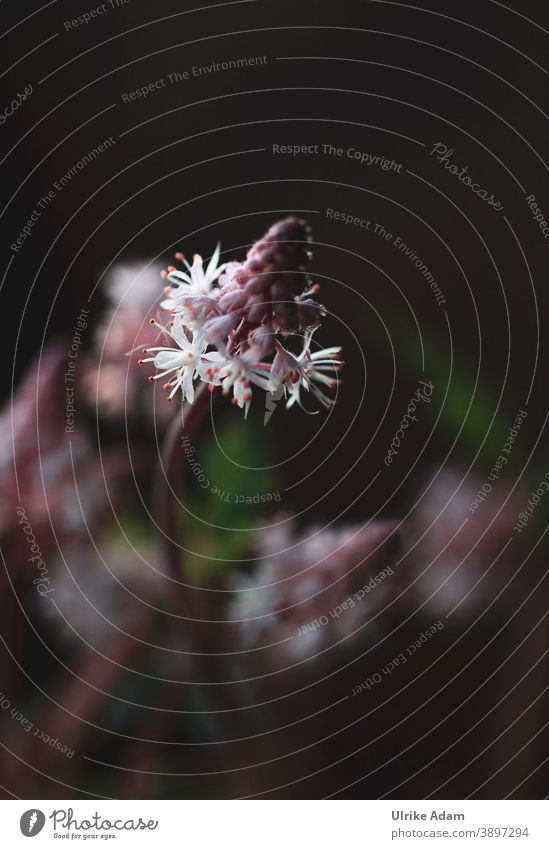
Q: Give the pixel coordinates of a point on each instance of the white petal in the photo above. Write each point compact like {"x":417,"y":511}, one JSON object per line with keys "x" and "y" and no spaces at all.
{"x":326,"y":352}
{"x":170,"y":359}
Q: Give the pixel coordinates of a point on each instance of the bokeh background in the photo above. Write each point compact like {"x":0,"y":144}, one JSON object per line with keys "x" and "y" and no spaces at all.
{"x":209,"y":684}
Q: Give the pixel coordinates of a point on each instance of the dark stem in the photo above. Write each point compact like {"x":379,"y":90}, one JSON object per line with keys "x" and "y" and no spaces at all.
{"x":194,"y":610}
{"x":169,"y":479}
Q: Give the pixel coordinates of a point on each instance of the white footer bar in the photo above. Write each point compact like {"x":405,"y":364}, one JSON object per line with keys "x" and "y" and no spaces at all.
{"x":279,"y":824}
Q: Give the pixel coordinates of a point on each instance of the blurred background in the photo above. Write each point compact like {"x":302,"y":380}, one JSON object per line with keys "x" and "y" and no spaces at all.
{"x":244,"y":674}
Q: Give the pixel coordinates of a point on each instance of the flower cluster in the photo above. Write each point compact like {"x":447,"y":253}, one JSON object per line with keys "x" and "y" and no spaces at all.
{"x":226,"y":320}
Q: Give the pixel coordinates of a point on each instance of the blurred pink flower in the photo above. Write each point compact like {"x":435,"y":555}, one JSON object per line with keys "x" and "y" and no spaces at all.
{"x":310,"y":590}
{"x":111,"y":381}
{"x":58,"y":477}
{"x":462,"y":556}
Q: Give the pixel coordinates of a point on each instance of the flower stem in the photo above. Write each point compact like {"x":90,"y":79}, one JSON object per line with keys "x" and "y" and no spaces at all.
{"x":169,"y":478}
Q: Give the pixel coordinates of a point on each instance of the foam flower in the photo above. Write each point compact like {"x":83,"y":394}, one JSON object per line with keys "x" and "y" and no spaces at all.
{"x":196,"y":281}
{"x":234,"y":373}
{"x":293,"y":373}
{"x":181,"y":362}
{"x":225,"y":320}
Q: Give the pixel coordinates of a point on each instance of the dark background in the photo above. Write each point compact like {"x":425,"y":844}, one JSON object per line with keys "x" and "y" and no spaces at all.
{"x":174,"y":175}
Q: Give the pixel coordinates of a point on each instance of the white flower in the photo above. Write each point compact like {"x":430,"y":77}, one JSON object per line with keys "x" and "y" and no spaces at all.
{"x":194,"y":310}
{"x":305,"y":371}
{"x":288,"y":369}
{"x":323,"y":363}
{"x":233,"y":373}
{"x":183,"y":361}
{"x":197,"y":281}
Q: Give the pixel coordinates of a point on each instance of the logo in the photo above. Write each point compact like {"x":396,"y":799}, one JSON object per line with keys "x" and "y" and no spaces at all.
{"x":32,"y":822}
